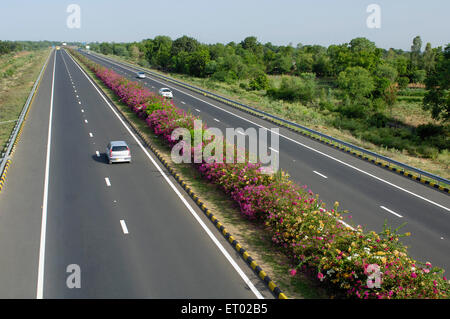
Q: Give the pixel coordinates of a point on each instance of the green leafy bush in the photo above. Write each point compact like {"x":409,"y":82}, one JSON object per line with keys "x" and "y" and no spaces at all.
{"x":301,"y":89}
{"x":259,"y":82}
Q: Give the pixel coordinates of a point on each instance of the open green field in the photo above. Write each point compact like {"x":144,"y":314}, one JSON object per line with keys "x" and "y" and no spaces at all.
{"x":18,"y":72}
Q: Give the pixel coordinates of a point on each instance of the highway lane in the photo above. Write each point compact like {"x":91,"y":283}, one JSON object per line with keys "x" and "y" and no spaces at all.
{"x":370,"y":193}
{"x":21,"y":200}
{"x":123,"y":225}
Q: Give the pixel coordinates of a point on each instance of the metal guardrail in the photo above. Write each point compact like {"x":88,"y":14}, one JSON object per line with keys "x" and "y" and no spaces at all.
{"x":377,"y":156}
{"x":12,"y":138}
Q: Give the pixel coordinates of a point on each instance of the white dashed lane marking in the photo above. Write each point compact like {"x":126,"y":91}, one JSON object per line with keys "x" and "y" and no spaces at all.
{"x":390,"y":211}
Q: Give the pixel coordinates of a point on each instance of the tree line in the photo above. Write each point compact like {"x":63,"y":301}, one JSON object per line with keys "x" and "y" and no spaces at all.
{"x":366,"y":75}
{"x":15,"y":46}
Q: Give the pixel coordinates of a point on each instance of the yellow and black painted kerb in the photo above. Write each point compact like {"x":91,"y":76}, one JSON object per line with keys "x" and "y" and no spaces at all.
{"x":346,"y":149}
{"x":5,"y":172}
{"x":13,"y":149}
{"x":234,"y":243}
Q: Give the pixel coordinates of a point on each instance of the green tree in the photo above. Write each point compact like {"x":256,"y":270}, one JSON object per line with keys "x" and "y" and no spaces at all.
{"x":304,"y":63}
{"x":120,"y":49}
{"x":437,"y":98}
{"x":259,"y":82}
{"x":158,"y":51}
{"x":390,"y":95}
{"x":184,"y":44}
{"x":418,"y":76}
{"x":356,"y":82}
{"x":429,"y":58}
{"x":282,"y":64}
{"x":384,"y":76}
{"x":403,"y":82}
{"x":359,"y":52}
{"x":198,"y":61}
{"x":106,"y":48}
{"x":135,"y":52}
{"x":251,"y":43}
{"x":414,"y":62}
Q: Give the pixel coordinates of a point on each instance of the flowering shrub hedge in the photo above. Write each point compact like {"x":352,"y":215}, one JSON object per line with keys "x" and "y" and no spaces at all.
{"x":315,"y":238}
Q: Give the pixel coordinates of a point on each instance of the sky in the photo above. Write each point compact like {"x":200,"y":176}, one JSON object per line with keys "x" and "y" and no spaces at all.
{"x":281,"y":22}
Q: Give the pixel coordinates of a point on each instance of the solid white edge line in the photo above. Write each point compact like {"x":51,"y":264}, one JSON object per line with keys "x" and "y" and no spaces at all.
{"x":188,"y":206}
{"x":292,"y":140}
{"x":392,"y":212}
{"x":124,"y":226}
{"x":40,"y":281}
{"x":320,"y":174}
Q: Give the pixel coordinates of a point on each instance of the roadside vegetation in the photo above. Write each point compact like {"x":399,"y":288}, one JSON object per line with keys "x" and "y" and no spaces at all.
{"x":390,"y":101}
{"x":18,"y":72}
{"x":314,"y":239}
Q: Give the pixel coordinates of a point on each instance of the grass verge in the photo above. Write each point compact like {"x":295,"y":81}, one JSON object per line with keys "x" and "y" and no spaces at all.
{"x":18,"y":72}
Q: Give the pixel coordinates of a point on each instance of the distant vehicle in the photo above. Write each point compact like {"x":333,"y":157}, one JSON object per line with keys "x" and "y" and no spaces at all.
{"x":165,"y":92}
{"x":118,"y":151}
{"x":57,"y":48}
{"x":141,"y":75}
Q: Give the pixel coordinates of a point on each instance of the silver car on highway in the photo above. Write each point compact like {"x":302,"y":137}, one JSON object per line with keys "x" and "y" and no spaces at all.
{"x":118,"y":151}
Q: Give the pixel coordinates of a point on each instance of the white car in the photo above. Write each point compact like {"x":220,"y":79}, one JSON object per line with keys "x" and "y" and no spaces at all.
{"x":118,"y":151}
{"x":165,"y":92}
{"x":141,"y":75}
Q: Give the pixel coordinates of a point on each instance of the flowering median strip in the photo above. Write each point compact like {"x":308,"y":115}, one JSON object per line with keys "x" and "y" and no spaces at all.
{"x":352,"y":263}
{"x":234,"y":243}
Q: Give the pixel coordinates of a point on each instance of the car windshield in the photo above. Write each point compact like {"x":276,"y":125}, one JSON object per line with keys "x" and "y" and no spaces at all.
{"x":119,"y":148}
{"x":165,"y":90}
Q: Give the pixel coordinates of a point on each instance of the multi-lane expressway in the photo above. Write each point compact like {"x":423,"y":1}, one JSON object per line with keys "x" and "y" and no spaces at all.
{"x":130,"y":229}
{"x":371,"y":194}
